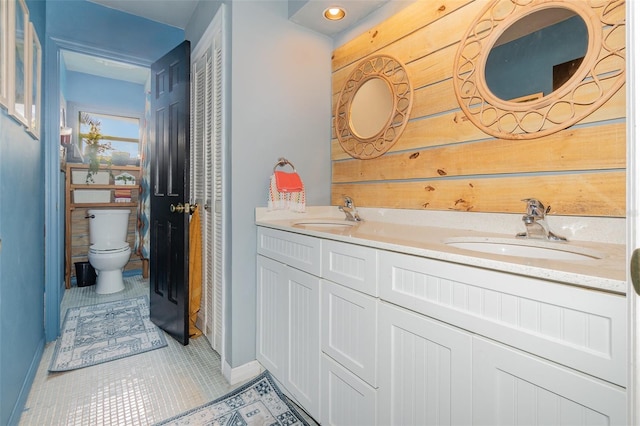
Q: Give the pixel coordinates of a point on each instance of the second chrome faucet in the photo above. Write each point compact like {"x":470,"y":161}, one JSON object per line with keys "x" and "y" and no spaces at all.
{"x":535,"y":222}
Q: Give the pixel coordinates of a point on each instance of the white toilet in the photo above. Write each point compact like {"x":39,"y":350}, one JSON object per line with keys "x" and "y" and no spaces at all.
{"x":109,"y":251}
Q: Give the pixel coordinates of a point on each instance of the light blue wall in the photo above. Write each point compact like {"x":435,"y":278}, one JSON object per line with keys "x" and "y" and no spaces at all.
{"x":280,"y":107}
{"x":104,"y":92}
{"x":21,"y":256}
{"x":101,"y":95}
{"x":27,"y":167}
{"x":21,"y":263}
{"x":92,"y":25}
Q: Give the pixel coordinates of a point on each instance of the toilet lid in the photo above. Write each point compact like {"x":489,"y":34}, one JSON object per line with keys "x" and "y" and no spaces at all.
{"x":109,"y":247}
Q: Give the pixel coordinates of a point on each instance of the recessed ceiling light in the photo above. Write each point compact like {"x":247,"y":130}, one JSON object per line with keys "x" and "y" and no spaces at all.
{"x":334,"y":13}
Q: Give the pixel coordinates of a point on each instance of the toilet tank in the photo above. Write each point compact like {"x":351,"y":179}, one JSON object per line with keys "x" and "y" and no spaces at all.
{"x":108,"y":225}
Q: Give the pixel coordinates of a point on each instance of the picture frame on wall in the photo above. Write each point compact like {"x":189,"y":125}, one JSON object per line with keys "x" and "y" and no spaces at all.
{"x":18,"y":47}
{"x":35,"y":92}
{"x":4,"y":60}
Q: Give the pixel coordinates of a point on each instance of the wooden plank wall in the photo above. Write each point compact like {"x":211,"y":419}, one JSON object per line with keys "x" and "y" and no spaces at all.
{"x":443,"y":162}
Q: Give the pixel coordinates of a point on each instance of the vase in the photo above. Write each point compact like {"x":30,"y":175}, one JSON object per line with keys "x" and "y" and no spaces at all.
{"x":90,"y":154}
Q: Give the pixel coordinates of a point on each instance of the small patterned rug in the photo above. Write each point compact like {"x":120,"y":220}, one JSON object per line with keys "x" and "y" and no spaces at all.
{"x":258,"y":402}
{"x":99,"y":333}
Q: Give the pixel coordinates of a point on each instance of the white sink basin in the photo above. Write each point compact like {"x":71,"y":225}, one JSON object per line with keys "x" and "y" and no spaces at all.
{"x":535,"y":249}
{"x":325,"y":224}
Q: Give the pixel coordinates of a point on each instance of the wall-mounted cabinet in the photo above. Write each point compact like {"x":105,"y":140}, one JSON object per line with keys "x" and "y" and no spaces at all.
{"x":106,"y":191}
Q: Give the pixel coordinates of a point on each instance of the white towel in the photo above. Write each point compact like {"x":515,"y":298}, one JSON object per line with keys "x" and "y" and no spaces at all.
{"x":277,"y":200}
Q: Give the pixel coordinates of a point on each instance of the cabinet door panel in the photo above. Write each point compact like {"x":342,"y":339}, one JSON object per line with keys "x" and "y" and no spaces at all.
{"x":349,"y":329}
{"x":425,"y":370}
{"x":346,"y":400}
{"x":511,"y":387}
{"x":271,"y":318}
{"x":303,"y":322}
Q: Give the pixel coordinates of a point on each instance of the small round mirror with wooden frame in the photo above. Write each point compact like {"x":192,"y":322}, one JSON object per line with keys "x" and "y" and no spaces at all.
{"x":528,"y":69}
{"x":373,"y":107}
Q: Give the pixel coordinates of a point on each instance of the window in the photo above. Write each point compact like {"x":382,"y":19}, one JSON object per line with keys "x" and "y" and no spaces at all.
{"x":122,"y":133}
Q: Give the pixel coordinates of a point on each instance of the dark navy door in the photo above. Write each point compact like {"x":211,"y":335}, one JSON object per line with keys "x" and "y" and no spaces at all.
{"x":169,"y":141}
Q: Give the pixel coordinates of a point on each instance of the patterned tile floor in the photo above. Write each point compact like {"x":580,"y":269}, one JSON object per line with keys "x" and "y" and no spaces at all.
{"x":137,"y":390}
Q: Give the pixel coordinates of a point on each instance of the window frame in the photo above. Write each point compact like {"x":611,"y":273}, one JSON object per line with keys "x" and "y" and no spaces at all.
{"x":73,"y":114}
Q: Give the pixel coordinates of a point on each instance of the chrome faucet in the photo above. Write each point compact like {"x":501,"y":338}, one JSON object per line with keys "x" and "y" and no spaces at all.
{"x":349,"y":209}
{"x":534,"y":220}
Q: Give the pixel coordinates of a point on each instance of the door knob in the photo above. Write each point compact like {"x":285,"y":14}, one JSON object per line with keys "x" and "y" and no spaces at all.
{"x":183,"y":208}
{"x":635,"y":270}
{"x":179,"y":208}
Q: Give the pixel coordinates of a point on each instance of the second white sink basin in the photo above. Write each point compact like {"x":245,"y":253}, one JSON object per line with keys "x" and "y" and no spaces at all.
{"x":535,"y":249}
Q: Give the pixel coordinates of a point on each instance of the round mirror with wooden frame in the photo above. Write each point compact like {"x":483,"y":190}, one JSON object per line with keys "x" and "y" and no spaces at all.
{"x":583,"y":83}
{"x":373,"y":107}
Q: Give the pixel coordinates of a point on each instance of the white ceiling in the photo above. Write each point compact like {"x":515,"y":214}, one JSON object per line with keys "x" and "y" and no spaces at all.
{"x":309,"y":13}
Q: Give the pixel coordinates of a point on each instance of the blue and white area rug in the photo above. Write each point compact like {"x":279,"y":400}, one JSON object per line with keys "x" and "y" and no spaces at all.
{"x":99,"y":333}
{"x":258,"y":402}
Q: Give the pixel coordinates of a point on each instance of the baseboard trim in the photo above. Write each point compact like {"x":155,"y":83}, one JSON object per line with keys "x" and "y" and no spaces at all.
{"x":241,"y":373}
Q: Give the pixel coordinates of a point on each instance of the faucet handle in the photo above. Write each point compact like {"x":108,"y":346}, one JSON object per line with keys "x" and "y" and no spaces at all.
{"x":348,"y":202}
{"x":535,"y":207}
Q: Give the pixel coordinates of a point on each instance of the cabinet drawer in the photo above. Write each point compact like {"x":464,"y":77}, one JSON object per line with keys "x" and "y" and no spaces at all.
{"x":580,"y":328}
{"x":346,"y":400}
{"x":349,"y":329}
{"x":350,"y":265}
{"x":300,"y":251}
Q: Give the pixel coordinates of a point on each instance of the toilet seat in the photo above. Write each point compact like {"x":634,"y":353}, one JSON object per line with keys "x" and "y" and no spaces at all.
{"x":110,"y":248}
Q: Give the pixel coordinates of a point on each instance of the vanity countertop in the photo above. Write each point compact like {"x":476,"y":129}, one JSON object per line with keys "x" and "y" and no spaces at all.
{"x":605,"y":273}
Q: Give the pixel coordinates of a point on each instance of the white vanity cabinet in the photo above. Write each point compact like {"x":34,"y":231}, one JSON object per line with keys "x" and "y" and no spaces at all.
{"x":561,"y":357}
{"x":392,"y":338}
{"x":288,"y":314}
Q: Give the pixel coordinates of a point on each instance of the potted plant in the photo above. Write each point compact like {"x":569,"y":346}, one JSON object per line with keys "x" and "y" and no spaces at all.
{"x":125,"y":179}
{"x":94,"y":148}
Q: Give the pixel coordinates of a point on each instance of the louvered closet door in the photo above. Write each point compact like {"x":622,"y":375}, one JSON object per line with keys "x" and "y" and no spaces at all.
{"x":207,"y":185}
{"x":200,"y":130}
{"x":216,"y":222}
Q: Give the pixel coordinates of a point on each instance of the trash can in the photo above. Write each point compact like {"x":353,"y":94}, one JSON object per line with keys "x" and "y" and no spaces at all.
{"x":85,"y":274}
